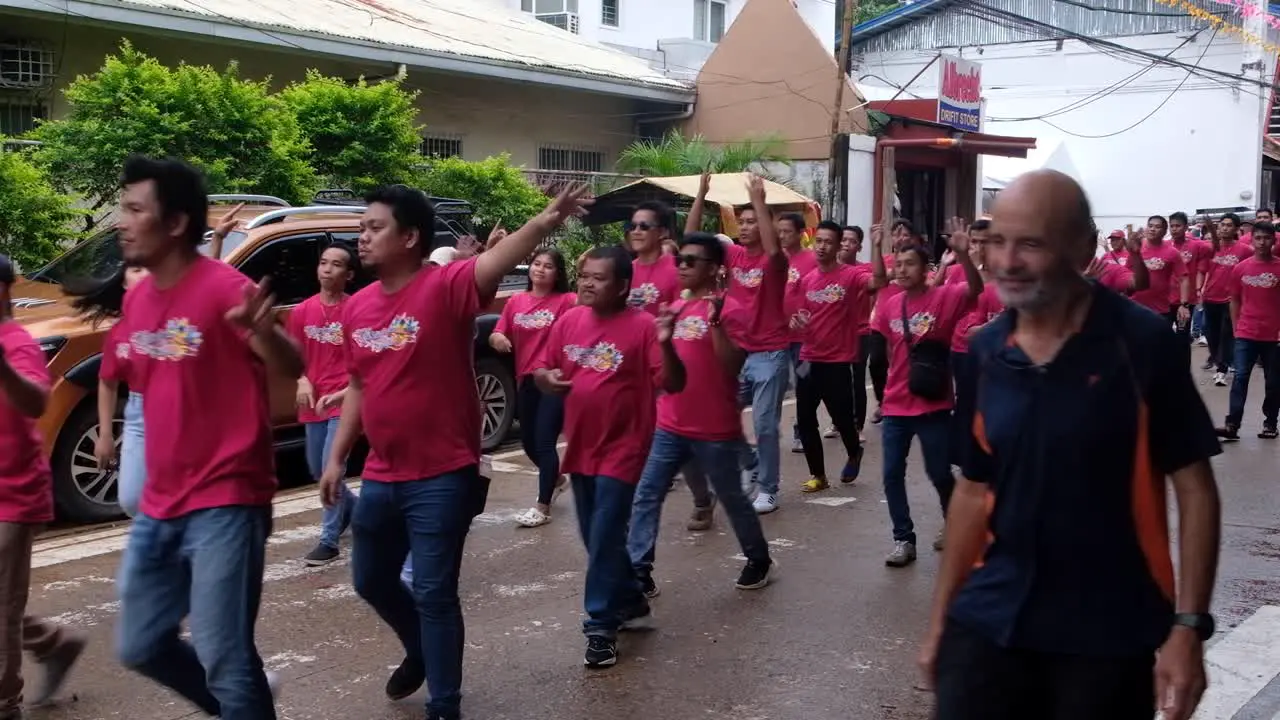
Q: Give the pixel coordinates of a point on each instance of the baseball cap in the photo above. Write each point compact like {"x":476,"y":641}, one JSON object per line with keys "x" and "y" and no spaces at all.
{"x":6,"y":270}
{"x":1116,"y":235}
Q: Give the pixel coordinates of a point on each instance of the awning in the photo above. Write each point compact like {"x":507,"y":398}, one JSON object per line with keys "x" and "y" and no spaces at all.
{"x":728,"y":190}
{"x":1271,"y":147}
{"x":915,"y":133}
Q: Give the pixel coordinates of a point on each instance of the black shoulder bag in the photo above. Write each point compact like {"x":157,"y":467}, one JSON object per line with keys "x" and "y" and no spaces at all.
{"x":928,"y":363}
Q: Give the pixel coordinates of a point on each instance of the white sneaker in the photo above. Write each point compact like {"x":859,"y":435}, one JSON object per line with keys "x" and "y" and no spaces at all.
{"x":750,"y":483}
{"x":796,"y":445}
{"x":830,"y":432}
{"x":765,"y":503}
{"x":1220,"y":379}
{"x":904,"y":553}
{"x":1202,"y":341}
{"x":274,"y":681}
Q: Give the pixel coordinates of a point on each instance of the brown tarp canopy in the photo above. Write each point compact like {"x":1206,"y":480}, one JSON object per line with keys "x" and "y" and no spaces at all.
{"x":728,"y":191}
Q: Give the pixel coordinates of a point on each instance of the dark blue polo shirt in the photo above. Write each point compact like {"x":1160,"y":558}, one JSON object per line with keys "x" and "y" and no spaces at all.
{"x":1075,"y":454}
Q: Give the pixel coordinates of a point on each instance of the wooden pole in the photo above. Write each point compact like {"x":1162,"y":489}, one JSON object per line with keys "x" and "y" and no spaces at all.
{"x":837,"y":112}
{"x":888,"y":189}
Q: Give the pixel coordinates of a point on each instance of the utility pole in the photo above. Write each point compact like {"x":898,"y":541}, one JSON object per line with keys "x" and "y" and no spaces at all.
{"x":837,"y":112}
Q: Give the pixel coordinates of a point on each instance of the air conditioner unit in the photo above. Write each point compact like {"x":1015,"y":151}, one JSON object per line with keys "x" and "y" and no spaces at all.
{"x":565,"y":20}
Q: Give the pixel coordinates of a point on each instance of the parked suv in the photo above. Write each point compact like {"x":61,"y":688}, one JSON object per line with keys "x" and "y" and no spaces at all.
{"x":277,"y":240}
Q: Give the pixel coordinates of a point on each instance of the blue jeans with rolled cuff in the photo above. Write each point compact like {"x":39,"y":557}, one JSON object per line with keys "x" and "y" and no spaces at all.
{"x":334,"y":520}
{"x":612,"y":589}
{"x":934,"y":431}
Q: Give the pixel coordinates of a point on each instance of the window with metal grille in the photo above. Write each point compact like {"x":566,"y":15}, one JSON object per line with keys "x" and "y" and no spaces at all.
{"x":442,"y":146}
{"x":18,"y":115}
{"x":609,"y":13}
{"x":24,"y":65}
{"x":570,"y":159}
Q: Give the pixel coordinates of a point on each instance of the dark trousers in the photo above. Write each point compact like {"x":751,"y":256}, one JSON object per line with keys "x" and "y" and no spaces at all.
{"x":934,"y":432}
{"x":1248,"y":354}
{"x":860,"y":382}
{"x":878,"y":363}
{"x":612,"y":587}
{"x":961,"y":428}
{"x":1218,"y":334}
{"x":1183,"y":330}
{"x":830,"y":384}
{"x":978,"y":680}
{"x":541,"y":419}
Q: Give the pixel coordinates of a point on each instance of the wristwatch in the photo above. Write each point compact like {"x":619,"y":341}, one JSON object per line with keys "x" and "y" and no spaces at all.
{"x":1202,"y":623}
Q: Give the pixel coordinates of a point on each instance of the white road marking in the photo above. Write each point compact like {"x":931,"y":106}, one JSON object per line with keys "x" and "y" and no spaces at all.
{"x":1241,"y":664}
{"x":831,"y":501}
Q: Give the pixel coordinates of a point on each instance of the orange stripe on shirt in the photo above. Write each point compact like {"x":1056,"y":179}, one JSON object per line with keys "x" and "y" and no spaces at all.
{"x":1151,"y":509}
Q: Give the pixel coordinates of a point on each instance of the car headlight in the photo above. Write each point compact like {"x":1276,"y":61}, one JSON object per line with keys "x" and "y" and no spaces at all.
{"x":51,"y":346}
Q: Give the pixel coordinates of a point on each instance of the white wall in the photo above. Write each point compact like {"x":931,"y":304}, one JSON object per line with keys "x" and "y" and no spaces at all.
{"x":862,"y":178}
{"x":1200,"y":149}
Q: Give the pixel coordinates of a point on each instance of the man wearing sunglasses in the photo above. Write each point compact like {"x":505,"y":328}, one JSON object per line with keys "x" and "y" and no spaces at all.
{"x":655,"y":282}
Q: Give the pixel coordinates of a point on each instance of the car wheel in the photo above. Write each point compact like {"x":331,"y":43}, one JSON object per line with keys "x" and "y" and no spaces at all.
{"x":82,"y":491}
{"x":497,"y":390}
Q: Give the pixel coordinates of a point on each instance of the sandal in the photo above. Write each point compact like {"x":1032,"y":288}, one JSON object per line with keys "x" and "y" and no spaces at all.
{"x":532,"y":518}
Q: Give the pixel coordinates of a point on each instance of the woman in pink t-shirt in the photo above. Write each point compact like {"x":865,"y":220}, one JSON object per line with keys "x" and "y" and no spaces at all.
{"x":523,"y":329}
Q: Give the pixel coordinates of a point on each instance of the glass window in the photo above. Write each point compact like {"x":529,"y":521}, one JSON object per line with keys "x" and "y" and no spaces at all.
{"x":609,"y":13}
{"x":291,"y":262}
{"x":364,"y":275}
{"x":716,"y":22}
{"x":699,"y":19}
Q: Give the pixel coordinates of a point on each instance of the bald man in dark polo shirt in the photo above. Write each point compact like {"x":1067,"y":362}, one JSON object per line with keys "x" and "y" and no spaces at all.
{"x":1057,"y":598}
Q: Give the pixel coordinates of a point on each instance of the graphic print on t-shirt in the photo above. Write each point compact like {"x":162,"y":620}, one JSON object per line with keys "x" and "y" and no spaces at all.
{"x":748,"y":277}
{"x":832,"y":293}
{"x":1154,"y":263}
{"x":1264,"y":281}
{"x":643,"y":295}
{"x":793,"y":275}
{"x":601,"y":357}
{"x":329,"y":334}
{"x":536,"y":320}
{"x":690,"y":328}
{"x":178,"y":339}
{"x":122,"y":350}
{"x":401,"y":333}
{"x":921,"y":324}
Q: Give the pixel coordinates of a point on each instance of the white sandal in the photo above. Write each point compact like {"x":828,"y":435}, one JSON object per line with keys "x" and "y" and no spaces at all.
{"x":532,"y":518}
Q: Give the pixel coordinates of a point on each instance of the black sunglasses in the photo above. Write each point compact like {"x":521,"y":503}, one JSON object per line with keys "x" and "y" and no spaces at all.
{"x":641,"y":226}
{"x":689,"y":260}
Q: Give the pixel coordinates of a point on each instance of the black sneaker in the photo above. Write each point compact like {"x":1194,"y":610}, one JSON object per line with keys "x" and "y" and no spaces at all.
{"x":852,"y":467}
{"x":434,"y":715}
{"x":1228,"y":432}
{"x":601,"y":652}
{"x":649,"y":587}
{"x":755,"y":575}
{"x":637,"y":619}
{"x":406,"y":680}
{"x":321,"y":555}
{"x":1269,"y":432}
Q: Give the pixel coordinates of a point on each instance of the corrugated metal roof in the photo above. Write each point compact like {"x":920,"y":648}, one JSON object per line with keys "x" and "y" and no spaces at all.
{"x":479,"y":29}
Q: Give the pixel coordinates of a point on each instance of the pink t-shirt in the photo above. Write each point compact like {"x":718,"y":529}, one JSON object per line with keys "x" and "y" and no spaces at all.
{"x":1118,"y":278}
{"x":954,"y":274}
{"x":707,"y":408}
{"x":985,"y":310}
{"x":1111,"y":257}
{"x":526,"y":321}
{"x":317,"y":328}
{"x":654,"y":284}
{"x":115,"y":356}
{"x":931,"y":315}
{"x":800,"y":265}
{"x":831,"y":300}
{"x":1195,"y":258}
{"x":1165,"y":268}
{"x":1217,"y":285}
{"x":207,"y":413}
{"x":420,"y":409}
{"x":1255,"y":284}
{"x":759,"y":284}
{"x":615,"y":364}
{"x":26,"y":486}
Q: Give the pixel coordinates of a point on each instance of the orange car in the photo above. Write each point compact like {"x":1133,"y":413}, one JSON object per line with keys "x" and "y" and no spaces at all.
{"x":277,"y":240}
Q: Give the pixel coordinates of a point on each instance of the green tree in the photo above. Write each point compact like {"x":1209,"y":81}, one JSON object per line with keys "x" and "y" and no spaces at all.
{"x":360,"y":135}
{"x":36,"y":221}
{"x":498,"y":192}
{"x":872,"y":10}
{"x":675,"y":155}
{"x":244,"y":138}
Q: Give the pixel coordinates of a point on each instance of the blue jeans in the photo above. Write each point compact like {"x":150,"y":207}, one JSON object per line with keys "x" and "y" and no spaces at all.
{"x":335,"y":520}
{"x":667,"y":454}
{"x":428,"y":519}
{"x":1247,"y":354}
{"x":604,"y":507}
{"x":132,"y":475}
{"x":541,"y":419}
{"x":205,"y":567}
{"x":1197,"y":321}
{"x":934,"y":431}
{"x":764,"y":380}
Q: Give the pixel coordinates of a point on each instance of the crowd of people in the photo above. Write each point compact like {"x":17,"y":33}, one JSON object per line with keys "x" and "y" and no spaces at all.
{"x":1007,"y":359}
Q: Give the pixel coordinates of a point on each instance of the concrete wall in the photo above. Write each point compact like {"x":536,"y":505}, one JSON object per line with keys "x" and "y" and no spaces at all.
{"x":1201,"y":148}
{"x":490,"y":116}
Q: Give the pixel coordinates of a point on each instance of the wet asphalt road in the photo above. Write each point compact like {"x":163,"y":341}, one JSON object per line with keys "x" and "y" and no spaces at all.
{"x":834,"y":637}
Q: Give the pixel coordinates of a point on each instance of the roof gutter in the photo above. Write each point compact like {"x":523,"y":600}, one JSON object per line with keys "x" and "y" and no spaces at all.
{"x":217,"y":28}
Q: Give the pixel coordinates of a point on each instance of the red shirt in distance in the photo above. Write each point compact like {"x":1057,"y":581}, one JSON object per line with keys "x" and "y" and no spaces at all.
{"x":318,"y":330}
{"x":26,"y":486}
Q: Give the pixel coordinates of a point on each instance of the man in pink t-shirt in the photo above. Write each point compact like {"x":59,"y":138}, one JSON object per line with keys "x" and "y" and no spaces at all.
{"x":655,"y":283}
{"x":1228,"y":251}
{"x":603,"y":356}
{"x":1168,"y":277}
{"x":1195,"y":256}
{"x":1255,"y":316}
{"x":26,"y":504}
{"x":197,"y":328}
{"x":409,"y":346}
{"x":790,"y":230}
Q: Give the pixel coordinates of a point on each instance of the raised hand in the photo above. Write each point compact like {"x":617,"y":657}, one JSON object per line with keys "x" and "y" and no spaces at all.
{"x":958,"y":240}
{"x":228,"y":223}
{"x":877,"y":238}
{"x":1133,"y":240}
{"x":666,"y":323}
{"x":715,"y":307}
{"x":572,"y":201}
{"x":755,"y":188}
{"x":256,"y":312}
{"x":467,"y":247}
{"x":704,"y":184}
{"x":1095,"y":268}
{"x":495,"y":236}
{"x":553,"y":382}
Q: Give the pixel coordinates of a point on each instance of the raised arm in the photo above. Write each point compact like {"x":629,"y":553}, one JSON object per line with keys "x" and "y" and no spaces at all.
{"x":693,"y":223}
{"x":498,"y":261}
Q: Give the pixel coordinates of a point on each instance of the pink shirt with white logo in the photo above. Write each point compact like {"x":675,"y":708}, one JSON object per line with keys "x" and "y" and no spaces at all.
{"x":207,"y":413}
{"x":800,"y":265}
{"x":654,"y":284}
{"x":831,"y":301}
{"x":615,"y":364}
{"x":707,"y":408}
{"x":317,"y":328}
{"x":1165,"y":270}
{"x":412,"y":351}
{"x":931,"y":315}
{"x":759,"y":283}
{"x":527,"y":320}
{"x":1117,"y":278}
{"x":26,"y":486}
{"x":1255,"y":284}
{"x":1195,"y":260}
{"x":1217,"y":285}
{"x":986,"y":309}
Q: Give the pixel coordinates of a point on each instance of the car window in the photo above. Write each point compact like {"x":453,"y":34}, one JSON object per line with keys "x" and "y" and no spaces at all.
{"x":291,"y":262}
{"x":95,"y":259}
